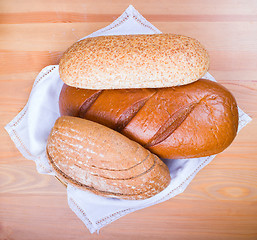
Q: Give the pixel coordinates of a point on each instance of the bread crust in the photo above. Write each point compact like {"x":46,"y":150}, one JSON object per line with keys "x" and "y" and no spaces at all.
{"x":98,"y":159}
{"x":133,"y":61}
{"x":195,"y":120}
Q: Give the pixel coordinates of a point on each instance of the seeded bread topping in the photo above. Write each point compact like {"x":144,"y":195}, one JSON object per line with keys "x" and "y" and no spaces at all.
{"x":133,"y":61}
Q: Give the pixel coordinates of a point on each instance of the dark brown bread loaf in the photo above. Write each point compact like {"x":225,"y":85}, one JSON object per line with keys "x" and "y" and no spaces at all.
{"x":194,"y":120}
{"x":98,"y":159}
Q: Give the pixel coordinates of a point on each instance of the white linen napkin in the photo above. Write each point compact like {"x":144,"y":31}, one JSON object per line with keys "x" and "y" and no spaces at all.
{"x":29,"y":131}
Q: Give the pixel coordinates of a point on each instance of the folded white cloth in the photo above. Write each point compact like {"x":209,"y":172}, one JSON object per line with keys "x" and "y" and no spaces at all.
{"x":29,"y":131}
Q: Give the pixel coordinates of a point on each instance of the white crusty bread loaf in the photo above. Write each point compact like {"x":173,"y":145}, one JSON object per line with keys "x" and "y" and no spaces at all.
{"x":133,"y":61}
{"x":101,"y":160}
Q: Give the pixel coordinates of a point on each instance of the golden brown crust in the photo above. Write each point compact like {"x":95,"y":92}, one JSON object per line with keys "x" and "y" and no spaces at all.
{"x":96,"y":158}
{"x":133,"y":61}
{"x":194,"y":120}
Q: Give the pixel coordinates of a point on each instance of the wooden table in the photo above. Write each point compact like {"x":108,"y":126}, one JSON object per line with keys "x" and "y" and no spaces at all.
{"x":220,"y":203}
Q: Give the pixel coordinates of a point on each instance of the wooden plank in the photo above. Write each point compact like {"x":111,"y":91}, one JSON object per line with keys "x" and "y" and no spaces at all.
{"x":144,"y":7}
{"x":59,"y":36}
{"x":175,"y":218}
{"x":68,"y":17}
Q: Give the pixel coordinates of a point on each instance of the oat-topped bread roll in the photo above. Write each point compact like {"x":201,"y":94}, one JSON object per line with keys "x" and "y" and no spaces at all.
{"x":133,"y":61}
{"x":101,"y":160}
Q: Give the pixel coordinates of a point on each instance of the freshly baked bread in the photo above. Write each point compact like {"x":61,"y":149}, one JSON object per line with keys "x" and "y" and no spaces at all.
{"x":96,"y":158}
{"x":194,"y":120}
{"x":133,"y":61}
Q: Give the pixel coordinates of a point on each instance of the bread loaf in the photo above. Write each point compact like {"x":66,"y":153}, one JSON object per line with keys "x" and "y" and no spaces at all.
{"x":133,"y":61}
{"x":194,"y":120}
{"x":95,"y":158}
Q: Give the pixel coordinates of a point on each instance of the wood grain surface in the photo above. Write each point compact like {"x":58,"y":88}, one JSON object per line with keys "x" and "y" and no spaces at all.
{"x":220,"y":203}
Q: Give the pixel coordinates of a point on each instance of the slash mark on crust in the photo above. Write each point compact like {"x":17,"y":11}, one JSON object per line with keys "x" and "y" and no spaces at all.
{"x":88,"y":103}
{"x":171,"y":124}
{"x":130,"y":112}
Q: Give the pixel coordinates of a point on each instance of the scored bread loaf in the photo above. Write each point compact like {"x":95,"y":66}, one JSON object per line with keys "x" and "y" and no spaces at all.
{"x":96,"y":158}
{"x":194,"y":120}
{"x":133,"y":61}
